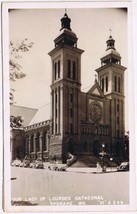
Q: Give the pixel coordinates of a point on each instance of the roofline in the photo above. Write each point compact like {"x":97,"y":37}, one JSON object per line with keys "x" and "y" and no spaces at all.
{"x":53,"y":51}
{"x":24,"y":107}
{"x":111,"y":54}
{"x":36,"y":125}
{"x":110,"y":65}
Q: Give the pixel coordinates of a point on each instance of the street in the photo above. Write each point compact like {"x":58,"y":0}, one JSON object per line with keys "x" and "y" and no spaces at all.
{"x":43,"y":187}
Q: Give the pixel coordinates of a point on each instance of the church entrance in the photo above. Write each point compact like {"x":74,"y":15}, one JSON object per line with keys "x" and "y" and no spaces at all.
{"x":69,"y":156}
{"x":71,"y":145}
{"x":96,"y":147}
{"x":71,"y":148}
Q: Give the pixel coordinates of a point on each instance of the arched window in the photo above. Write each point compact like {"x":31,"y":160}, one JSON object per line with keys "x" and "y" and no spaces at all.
{"x":56,"y":128}
{"x":115,"y":83}
{"x":37,"y":143}
{"x":71,"y":127}
{"x":118,"y":107}
{"x":103,"y":84}
{"x":71,"y":112}
{"x":59,"y":69}
{"x":69,"y":68}
{"x":71,"y":98}
{"x":74,"y":70}
{"x":56,"y":97}
{"x":106,"y":83}
{"x":55,"y":70}
{"x":44,"y":145}
{"x":118,"y":84}
{"x":31,"y":144}
{"x":118,"y":120}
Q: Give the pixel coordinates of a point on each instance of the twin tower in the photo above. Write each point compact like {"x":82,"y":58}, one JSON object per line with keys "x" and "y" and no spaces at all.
{"x":82,"y":122}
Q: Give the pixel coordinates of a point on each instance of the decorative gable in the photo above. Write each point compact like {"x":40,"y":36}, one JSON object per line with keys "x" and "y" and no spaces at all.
{"x":96,"y":90}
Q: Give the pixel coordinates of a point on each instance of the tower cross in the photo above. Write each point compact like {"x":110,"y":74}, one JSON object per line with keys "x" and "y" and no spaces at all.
{"x":110,"y":31}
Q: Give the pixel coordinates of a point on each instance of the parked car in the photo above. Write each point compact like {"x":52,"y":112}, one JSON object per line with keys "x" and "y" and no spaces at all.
{"x":32,"y":165}
{"x":124,"y":166}
{"x":39,"y":165}
{"x":36,"y":164}
{"x":57,"y":167}
{"x":16,"y":162}
{"x":25,"y":162}
{"x":62,"y":167}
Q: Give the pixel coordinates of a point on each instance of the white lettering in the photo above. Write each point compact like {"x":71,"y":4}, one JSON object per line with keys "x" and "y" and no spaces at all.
{"x":60,"y":203}
{"x":60,"y":198}
{"x":31,"y":199}
{"x":92,"y":197}
{"x":42,"y":198}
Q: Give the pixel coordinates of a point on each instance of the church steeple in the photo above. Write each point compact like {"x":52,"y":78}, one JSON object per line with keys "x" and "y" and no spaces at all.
{"x":110,"y":43}
{"x":111,"y":55}
{"x":111,"y":81}
{"x":111,"y":72}
{"x":65,"y":22}
{"x":67,"y":36}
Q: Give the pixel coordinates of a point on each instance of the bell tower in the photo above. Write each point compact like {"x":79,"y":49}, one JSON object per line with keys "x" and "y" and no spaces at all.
{"x":111,"y":80}
{"x":65,"y":90}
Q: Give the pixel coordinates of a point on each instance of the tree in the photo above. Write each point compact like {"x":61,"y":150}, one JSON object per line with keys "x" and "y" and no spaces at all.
{"x":16,"y":50}
{"x":16,"y":122}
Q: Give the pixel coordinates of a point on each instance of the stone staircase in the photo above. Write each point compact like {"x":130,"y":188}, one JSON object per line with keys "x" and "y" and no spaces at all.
{"x":91,"y":161}
{"x":86,"y":161}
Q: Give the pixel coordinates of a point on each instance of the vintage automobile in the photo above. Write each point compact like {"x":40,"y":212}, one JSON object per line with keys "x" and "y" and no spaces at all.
{"x":57,"y":167}
{"x":124,"y":166}
{"x":39,"y":165}
{"x":32,"y":165}
{"x":25,"y":162}
{"x":16,"y":162}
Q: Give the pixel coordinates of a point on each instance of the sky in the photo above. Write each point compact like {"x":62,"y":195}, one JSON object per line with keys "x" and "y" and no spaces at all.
{"x":42,"y":26}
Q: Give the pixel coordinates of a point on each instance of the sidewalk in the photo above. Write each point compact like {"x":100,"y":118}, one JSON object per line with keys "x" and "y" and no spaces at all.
{"x":91,"y":170}
{"x":85,"y":169}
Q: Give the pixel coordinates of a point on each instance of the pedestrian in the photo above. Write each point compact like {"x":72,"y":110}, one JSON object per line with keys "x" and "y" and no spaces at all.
{"x":98,"y":166}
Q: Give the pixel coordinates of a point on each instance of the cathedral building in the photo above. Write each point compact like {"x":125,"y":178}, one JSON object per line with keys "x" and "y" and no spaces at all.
{"x":79,"y":123}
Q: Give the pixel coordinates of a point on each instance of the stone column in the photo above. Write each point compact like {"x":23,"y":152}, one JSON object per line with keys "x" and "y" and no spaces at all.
{"x":69,"y":91}
{"x":34,"y":144}
{"x":52,"y":112}
{"x":29,"y":144}
{"x":40,"y":141}
{"x":26,"y":145}
{"x":61,"y":110}
{"x":54,"y":119}
{"x":58,"y":110}
{"x":74,"y":109}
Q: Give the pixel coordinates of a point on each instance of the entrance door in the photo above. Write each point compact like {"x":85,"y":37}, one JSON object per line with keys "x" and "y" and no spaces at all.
{"x":72,"y":145}
{"x":96,"y":147}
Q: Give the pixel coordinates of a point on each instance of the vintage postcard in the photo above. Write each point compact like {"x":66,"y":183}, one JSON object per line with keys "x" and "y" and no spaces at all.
{"x":69,"y":124}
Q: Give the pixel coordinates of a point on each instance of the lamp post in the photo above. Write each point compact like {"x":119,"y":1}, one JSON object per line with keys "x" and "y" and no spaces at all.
{"x":103,"y":146}
{"x":103,"y":153}
{"x":111,"y":159}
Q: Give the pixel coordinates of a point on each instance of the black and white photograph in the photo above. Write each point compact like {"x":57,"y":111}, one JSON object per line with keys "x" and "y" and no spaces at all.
{"x":67,"y":110}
